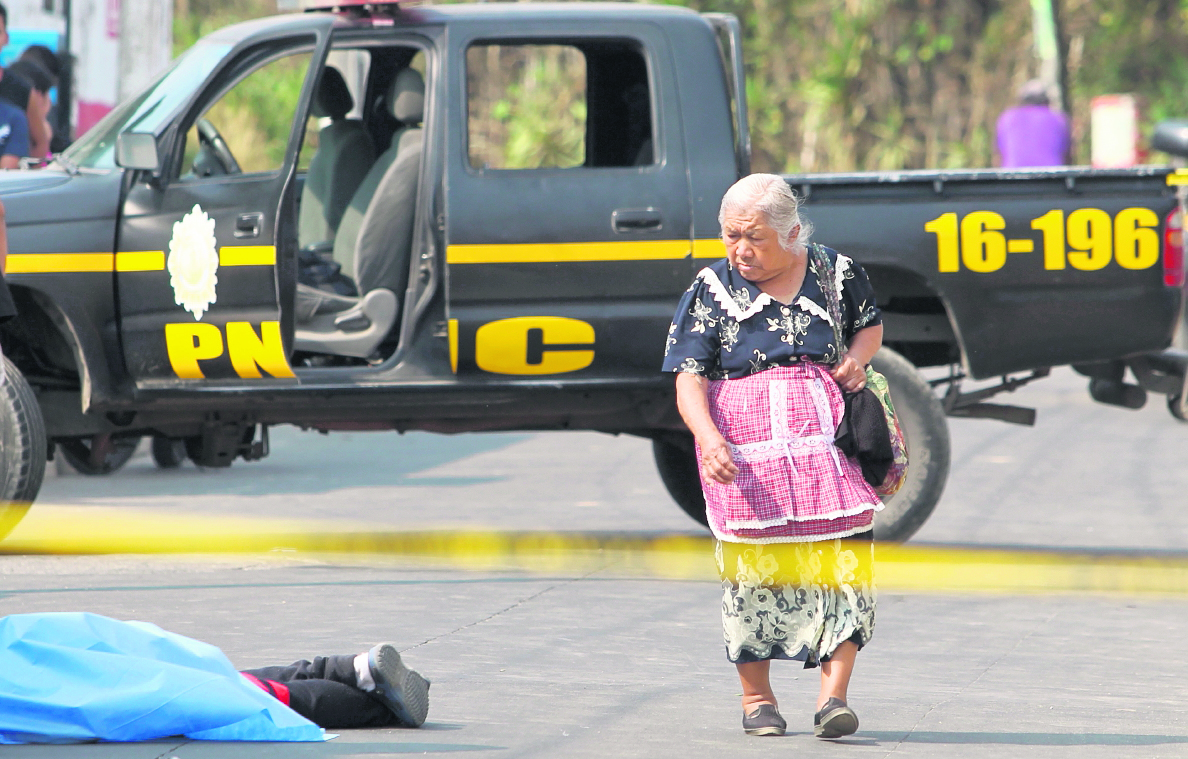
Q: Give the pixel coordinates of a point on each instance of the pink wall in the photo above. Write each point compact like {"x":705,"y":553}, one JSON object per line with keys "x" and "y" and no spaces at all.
{"x":88,"y":114}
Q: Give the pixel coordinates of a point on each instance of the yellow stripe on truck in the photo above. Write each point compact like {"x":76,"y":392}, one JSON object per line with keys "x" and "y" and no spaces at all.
{"x":247,"y":255}
{"x":53,"y":263}
{"x":567,"y":252}
{"x":129,"y":261}
{"x":265,"y":255}
{"x":146,"y":260}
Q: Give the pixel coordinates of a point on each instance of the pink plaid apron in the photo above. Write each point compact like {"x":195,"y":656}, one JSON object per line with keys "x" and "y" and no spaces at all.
{"x":793,"y":485}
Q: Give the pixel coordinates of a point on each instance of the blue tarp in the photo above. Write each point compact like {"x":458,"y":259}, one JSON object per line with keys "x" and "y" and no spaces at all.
{"x":67,"y":677}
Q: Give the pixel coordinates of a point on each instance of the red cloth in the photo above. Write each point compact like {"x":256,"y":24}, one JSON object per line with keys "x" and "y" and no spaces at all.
{"x":793,"y":485}
{"x":279,"y":691}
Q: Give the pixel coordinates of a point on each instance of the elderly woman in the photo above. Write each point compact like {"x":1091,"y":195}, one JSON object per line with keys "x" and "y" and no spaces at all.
{"x":759,"y":383}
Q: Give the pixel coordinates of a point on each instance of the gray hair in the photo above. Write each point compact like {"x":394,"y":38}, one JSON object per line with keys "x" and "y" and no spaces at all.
{"x":1034,"y":92}
{"x":771,"y":195}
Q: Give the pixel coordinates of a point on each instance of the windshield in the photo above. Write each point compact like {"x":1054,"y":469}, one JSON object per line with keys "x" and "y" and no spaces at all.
{"x":147,"y":111}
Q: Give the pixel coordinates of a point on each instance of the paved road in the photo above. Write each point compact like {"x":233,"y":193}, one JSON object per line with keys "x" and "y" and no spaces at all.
{"x":590,"y":664}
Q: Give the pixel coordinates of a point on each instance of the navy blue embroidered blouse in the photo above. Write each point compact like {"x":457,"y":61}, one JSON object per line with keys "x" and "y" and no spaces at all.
{"x":726,"y":328}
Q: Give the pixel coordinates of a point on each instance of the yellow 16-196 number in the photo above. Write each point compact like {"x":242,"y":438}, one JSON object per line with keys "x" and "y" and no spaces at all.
{"x":1087,"y":239}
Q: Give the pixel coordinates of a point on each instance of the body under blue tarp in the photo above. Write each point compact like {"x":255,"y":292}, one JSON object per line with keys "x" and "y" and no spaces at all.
{"x":67,"y":677}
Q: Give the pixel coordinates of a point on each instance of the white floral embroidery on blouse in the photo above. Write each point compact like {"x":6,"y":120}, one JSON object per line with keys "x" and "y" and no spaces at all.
{"x":794,"y":325}
{"x":691,"y":366}
{"x":728,"y":333}
{"x":866,"y":313}
{"x":671,"y":340}
{"x":701,"y":312}
{"x":830,"y":355}
{"x":758,"y":363}
{"x":741,"y":298}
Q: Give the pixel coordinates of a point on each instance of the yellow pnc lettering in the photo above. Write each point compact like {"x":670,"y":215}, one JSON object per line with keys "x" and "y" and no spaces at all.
{"x":250,"y":353}
{"x":534,"y":345}
{"x":188,"y":344}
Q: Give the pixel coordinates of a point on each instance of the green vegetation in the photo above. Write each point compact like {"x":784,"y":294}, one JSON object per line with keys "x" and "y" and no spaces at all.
{"x":842,"y":85}
{"x":506,"y":85}
{"x":256,"y":116}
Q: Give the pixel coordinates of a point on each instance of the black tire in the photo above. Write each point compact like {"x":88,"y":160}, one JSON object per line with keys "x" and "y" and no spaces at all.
{"x":77,"y":453}
{"x":676,"y":460}
{"x":23,"y":448}
{"x":168,"y":452}
{"x":922,"y":419}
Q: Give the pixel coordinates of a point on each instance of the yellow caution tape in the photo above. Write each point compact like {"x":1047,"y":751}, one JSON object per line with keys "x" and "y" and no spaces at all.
{"x":49,"y":529}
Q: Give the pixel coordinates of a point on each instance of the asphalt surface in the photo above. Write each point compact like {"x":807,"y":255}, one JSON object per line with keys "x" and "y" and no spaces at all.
{"x":582,"y":661}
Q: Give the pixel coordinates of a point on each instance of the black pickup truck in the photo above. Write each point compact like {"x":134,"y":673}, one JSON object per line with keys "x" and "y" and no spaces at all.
{"x":406,"y":260}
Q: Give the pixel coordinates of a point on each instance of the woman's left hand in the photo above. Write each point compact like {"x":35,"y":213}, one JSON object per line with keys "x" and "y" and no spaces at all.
{"x":849,"y":375}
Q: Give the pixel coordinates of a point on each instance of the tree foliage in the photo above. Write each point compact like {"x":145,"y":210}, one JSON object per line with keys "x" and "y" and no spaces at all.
{"x":844,"y":85}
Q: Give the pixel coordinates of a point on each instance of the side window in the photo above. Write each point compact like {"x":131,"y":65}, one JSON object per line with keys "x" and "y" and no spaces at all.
{"x":247,"y":129}
{"x":558,"y":105}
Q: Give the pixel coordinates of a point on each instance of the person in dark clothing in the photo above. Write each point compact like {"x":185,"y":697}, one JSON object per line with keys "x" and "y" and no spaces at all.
{"x":14,"y":136}
{"x":47,"y":63}
{"x":41,"y":79}
{"x":35,"y":103}
{"x":47,"y":59}
{"x":371,"y":689}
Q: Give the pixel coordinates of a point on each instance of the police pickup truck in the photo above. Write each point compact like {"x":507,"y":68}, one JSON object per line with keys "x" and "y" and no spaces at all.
{"x":403,"y":259}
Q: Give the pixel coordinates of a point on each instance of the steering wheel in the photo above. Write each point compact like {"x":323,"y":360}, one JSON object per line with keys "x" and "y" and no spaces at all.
{"x":213,"y":142}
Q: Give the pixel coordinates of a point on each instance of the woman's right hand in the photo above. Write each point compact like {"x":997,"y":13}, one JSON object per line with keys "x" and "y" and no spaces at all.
{"x":716,"y":462}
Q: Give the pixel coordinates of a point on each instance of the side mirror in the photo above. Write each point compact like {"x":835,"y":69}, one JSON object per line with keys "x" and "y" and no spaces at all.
{"x":1171,"y":137}
{"x":137,"y":150}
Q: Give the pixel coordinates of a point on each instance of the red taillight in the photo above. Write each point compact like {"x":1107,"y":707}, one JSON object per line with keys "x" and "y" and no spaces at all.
{"x":1173,"y":250}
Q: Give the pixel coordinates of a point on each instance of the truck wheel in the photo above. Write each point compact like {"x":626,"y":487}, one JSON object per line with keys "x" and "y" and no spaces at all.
{"x":168,"y":452}
{"x":676,"y":460}
{"x":22,"y":447}
{"x":923,"y":421}
{"x":98,"y":455}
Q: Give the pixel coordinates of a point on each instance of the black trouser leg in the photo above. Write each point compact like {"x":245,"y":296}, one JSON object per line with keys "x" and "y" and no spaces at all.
{"x":323,"y":691}
{"x":340,"y":669}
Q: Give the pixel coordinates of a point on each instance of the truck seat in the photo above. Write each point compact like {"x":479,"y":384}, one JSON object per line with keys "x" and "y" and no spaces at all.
{"x":345,"y":154}
{"x":373,"y":242}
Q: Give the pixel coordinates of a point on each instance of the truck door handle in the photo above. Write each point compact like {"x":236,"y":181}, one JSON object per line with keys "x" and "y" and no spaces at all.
{"x":248,"y":224}
{"x":636,"y":220}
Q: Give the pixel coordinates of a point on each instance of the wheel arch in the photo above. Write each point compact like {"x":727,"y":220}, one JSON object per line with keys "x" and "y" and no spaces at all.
{"x":918,"y":321}
{"x":53,"y":347}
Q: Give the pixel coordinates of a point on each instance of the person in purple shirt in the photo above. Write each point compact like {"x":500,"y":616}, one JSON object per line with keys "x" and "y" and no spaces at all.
{"x":1031,"y":133}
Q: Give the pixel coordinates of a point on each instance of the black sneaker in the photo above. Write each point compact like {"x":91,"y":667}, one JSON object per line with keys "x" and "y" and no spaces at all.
{"x":765,"y":720}
{"x":401,"y":689}
{"x":835,"y":720}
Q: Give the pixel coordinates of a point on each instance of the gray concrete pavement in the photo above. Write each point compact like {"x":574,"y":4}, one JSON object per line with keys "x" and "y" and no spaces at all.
{"x":593,"y":664}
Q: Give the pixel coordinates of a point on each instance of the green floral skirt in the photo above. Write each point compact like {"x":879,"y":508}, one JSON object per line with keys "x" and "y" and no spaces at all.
{"x":796,"y":600}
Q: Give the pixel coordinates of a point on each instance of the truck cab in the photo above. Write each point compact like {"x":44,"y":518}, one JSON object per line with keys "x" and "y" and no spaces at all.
{"x":481,"y":217}
{"x":389,"y":249}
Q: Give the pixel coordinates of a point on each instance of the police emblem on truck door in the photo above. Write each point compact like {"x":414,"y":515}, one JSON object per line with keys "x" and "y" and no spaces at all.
{"x":193,"y":262}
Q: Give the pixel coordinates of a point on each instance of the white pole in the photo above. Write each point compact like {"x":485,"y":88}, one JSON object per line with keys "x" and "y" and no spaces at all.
{"x":146,"y":43}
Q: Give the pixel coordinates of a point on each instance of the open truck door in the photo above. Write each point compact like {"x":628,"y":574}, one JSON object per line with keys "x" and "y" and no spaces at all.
{"x":206,"y":247}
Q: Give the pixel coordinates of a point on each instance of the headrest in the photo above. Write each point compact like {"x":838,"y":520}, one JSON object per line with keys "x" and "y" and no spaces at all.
{"x":406,"y":98}
{"x":332,"y":99}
